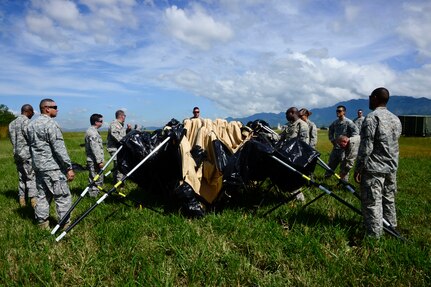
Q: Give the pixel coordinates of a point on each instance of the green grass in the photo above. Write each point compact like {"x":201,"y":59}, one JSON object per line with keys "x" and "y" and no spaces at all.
{"x":323,"y":245}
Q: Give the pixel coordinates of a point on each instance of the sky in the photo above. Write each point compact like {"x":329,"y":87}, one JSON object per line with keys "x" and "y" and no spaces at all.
{"x":158,"y":59}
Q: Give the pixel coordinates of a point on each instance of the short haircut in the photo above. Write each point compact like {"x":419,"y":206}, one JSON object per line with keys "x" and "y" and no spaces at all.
{"x":382,"y":95}
{"x":43,"y":103}
{"x":95,"y":118}
{"x":293,"y":109}
{"x":26,"y":108}
{"x":195,"y":108}
{"x":119,"y":113}
{"x":343,"y":107}
{"x":360,"y":110}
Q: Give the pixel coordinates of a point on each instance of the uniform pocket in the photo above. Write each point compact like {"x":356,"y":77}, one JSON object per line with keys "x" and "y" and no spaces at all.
{"x":59,"y":183}
{"x":61,"y":188}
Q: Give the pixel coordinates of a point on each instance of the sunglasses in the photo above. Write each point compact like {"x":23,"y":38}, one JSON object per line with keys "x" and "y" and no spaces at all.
{"x":339,"y":111}
{"x":196,"y":112}
{"x":51,"y":107}
{"x":100,"y":121}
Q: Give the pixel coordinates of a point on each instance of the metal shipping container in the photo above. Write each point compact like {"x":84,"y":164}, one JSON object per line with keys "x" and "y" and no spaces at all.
{"x":416,"y":125}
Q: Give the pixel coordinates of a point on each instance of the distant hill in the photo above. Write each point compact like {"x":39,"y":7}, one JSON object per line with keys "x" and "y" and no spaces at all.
{"x":323,"y":117}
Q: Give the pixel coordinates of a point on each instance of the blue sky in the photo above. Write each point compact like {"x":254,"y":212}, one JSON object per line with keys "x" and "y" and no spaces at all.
{"x":159,"y":59}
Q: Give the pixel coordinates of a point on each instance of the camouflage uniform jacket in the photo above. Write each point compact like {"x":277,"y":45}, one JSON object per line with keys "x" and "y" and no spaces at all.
{"x":47,"y":145}
{"x":19,"y":138}
{"x":358,"y":122}
{"x":116,"y":132}
{"x":312,"y":132}
{"x":298,"y":128}
{"x":94,"y":145}
{"x":379,"y":150}
{"x":342,"y":127}
{"x":351,"y":152}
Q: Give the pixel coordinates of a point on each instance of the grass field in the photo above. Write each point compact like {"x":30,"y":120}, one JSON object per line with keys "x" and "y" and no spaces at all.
{"x":323,"y":245}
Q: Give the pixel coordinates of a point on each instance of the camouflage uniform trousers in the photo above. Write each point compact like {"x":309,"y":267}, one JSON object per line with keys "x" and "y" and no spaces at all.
{"x":52,"y":185}
{"x":117,"y":174}
{"x":27,"y":179}
{"x":378,"y":201}
{"x":335,"y":158}
{"x":93,"y":170}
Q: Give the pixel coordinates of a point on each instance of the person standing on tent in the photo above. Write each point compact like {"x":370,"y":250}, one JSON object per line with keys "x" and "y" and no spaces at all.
{"x":295,"y":128}
{"x":304,"y":114}
{"x":377,"y":164}
{"x":51,"y":163}
{"x":340,"y":127}
{"x":359,"y":120}
{"x":94,"y":151}
{"x":350,"y":147}
{"x":21,"y":152}
{"x":116,"y":132}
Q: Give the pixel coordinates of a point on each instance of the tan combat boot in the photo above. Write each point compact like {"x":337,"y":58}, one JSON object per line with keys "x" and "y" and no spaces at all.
{"x":33,"y":202}
{"x":22,"y":202}
{"x":44,"y":225}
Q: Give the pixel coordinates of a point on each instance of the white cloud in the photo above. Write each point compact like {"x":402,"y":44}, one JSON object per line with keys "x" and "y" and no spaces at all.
{"x":196,"y":29}
{"x":416,"y":25}
{"x":238,"y":57}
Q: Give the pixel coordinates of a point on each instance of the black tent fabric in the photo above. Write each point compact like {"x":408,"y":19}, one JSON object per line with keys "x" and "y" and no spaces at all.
{"x":251,"y":162}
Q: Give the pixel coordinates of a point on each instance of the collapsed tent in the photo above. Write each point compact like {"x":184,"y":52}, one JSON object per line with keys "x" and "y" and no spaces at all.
{"x":193,"y":163}
{"x":206,"y":156}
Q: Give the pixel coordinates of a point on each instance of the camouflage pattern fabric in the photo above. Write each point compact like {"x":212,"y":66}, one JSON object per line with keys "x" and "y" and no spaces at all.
{"x":116,"y":132}
{"x":342,"y":127}
{"x":378,"y":201}
{"x":50,"y":162}
{"x":339,"y":127}
{"x":47,"y":145}
{"x":377,"y":162}
{"x":350,"y":154}
{"x":312,"y":133}
{"x":298,"y":129}
{"x":95,"y":156}
{"x":52,"y":185}
{"x":21,"y":152}
{"x":358,"y":122}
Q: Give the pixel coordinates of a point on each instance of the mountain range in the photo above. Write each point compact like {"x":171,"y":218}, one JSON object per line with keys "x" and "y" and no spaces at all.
{"x":323,"y":117}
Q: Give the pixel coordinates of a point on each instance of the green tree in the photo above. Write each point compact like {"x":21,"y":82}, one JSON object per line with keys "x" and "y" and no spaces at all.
{"x":5,"y":115}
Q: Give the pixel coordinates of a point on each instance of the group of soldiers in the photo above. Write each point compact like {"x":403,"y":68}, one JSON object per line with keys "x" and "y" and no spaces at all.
{"x":44,"y":166}
{"x":372,"y":142}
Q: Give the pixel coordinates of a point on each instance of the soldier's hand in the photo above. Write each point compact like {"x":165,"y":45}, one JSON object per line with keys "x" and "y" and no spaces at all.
{"x":70,"y":175}
{"x":101,"y":165}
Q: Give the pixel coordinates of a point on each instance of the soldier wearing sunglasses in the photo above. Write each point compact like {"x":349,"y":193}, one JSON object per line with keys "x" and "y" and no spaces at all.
{"x":51,"y":163}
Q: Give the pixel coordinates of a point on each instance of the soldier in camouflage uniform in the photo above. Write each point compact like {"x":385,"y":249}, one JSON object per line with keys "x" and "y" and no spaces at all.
{"x":359,"y":120}
{"x":304,"y":114}
{"x":377,"y":164}
{"x":341,"y":126}
{"x":296,"y":128}
{"x":51,"y":163}
{"x":94,"y":151}
{"x":21,"y":152}
{"x":350,"y":147}
{"x":116,"y":132}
